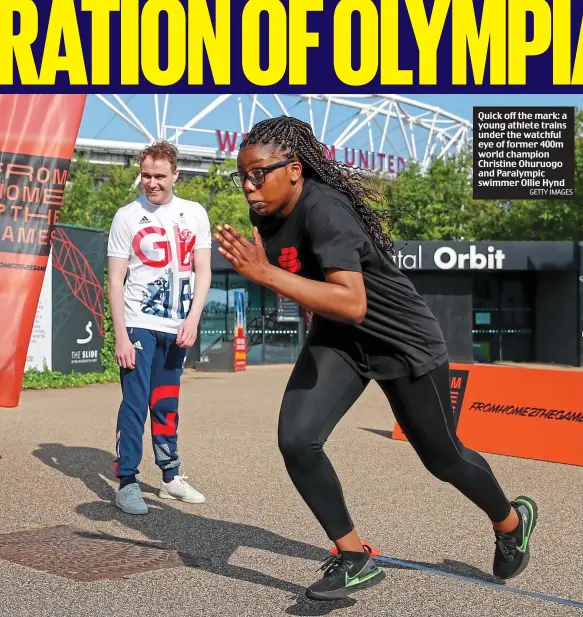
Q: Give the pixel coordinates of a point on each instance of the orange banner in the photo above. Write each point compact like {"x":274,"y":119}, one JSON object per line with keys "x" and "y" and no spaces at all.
{"x":525,"y":412}
{"x":37,"y":140}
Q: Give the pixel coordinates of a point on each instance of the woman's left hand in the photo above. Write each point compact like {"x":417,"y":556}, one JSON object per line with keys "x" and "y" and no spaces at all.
{"x":247,"y":258}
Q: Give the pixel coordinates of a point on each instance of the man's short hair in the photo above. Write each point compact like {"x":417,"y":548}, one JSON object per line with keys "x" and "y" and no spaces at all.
{"x":159,"y":151}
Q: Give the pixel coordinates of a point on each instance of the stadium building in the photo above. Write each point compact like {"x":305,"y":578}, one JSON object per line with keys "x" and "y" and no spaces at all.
{"x":495,"y":301}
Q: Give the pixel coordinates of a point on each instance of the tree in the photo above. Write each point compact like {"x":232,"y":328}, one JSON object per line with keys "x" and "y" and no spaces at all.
{"x":430,"y":206}
{"x":95,"y":193}
{"x":435,"y":205}
{"x":439,"y":205}
{"x":560,"y":219}
{"x":223,"y":201}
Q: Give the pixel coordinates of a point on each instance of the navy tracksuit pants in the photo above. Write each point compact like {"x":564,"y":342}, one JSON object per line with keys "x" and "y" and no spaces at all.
{"x":153,"y":384}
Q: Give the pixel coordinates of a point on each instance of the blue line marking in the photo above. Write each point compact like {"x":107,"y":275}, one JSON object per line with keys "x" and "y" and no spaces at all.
{"x":477,"y":581}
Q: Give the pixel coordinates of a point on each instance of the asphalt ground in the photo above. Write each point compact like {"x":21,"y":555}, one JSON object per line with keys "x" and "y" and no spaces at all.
{"x":255,"y":543}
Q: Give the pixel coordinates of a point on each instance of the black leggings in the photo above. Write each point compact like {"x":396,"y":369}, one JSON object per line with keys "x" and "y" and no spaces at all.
{"x":322,"y":388}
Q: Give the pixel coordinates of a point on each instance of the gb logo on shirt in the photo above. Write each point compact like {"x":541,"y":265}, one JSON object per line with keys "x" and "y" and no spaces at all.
{"x":153,"y":248}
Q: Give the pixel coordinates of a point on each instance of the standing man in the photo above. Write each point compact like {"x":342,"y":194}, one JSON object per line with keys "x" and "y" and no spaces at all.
{"x":158,"y":242}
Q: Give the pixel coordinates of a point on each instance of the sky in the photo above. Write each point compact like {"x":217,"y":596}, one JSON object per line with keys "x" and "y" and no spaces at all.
{"x":101,"y":122}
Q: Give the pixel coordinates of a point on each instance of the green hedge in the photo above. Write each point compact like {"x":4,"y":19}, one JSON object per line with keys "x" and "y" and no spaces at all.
{"x":38,"y":380}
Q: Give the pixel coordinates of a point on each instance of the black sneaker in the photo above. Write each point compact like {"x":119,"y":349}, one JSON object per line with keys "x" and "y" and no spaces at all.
{"x":512,"y":549}
{"x":342,"y":575}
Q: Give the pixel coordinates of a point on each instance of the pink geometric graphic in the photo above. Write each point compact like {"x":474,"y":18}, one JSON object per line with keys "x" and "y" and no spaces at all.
{"x":81,"y":279}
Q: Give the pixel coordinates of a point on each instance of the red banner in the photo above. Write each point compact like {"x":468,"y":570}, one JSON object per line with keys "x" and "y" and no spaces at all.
{"x":240,"y":336}
{"x":37,"y":140}
{"x":525,"y":412}
{"x":240,"y":348}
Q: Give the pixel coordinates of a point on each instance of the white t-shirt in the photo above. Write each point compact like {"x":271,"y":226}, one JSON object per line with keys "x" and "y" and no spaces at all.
{"x":158,"y":242}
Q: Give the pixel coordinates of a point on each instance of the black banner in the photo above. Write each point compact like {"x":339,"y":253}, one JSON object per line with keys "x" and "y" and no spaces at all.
{"x":458,"y":383}
{"x":31,"y":195}
{"x":78,"y":300}
{"x":486,"y":256}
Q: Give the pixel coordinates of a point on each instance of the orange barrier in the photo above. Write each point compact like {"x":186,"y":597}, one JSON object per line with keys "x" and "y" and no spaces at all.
{"x":525,"y":412}
{"x":37,"y":140}
{"x":371,"y":550}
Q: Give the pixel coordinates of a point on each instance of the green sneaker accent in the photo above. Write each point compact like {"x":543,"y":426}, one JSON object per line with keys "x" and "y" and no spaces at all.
{"x":529,"y":524}
{"x":356,"y":579}
{"x":337,"y":582}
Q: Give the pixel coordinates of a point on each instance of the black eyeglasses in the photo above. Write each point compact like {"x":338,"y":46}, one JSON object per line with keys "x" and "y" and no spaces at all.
{"x":257,"y":176}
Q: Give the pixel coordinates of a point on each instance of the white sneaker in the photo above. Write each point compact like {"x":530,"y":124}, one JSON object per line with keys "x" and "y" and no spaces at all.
{"x":130,"y":500}
{"x":179,"y":488}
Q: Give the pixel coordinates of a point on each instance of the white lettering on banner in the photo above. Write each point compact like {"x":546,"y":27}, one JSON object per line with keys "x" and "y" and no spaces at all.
{"x":447,"y":258}
{"x":87,"y":339}
{"x":410,"y":261}
{"x":84,"y":357}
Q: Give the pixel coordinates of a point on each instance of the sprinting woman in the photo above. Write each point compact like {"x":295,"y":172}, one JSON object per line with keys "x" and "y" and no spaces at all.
{"x":318,"y":243}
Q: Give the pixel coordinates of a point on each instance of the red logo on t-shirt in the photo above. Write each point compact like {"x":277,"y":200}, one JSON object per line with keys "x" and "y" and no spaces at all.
{"x":163,"y":245}
{"x":151,"y":239}
{"x":288,"y":260}
{"x":185,"y":240}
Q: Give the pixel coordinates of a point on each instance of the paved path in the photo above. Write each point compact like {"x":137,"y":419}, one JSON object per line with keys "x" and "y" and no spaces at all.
{"x":256,"y":543}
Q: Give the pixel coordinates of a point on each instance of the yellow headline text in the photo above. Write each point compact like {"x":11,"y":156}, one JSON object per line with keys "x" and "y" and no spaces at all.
{"x":172,"y":41}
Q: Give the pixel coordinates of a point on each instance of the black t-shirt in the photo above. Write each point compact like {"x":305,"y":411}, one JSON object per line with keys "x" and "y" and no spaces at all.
{"x":399,"y":335}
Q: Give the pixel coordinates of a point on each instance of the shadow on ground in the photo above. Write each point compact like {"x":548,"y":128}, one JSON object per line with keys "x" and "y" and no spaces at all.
{"x":450,"y":566}
{"x":210,"y":542}
{"x":376,"y":431}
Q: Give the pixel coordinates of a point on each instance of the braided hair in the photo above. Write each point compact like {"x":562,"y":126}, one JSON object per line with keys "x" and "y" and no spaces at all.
{"x":292,"y":136}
